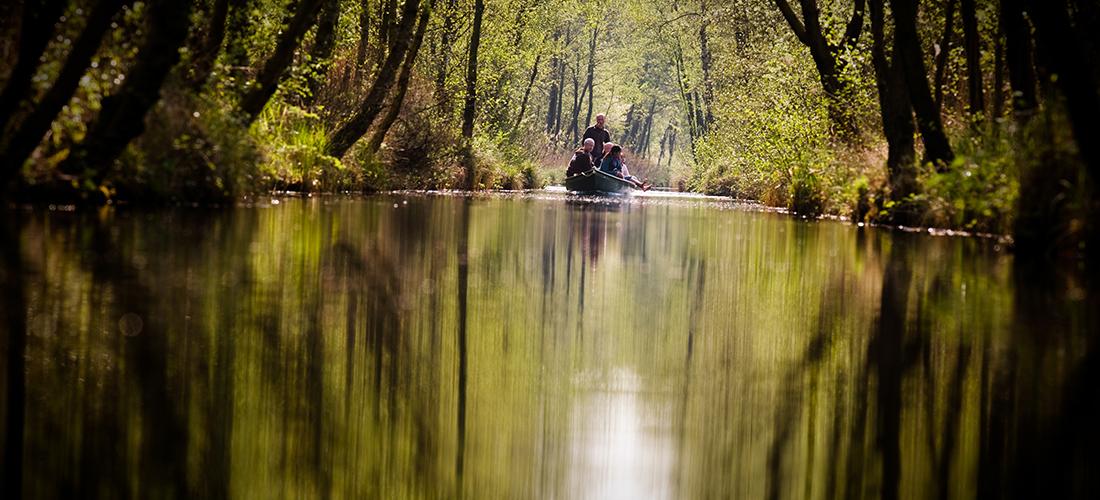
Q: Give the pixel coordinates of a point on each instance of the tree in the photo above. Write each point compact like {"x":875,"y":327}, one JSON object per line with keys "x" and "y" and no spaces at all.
{"x":1064,"y":50}
{"x":402,"y":81}
{"x":972,"y":41}
{"x":345,"y":136}
{"x":470,"y":109}
{"x":267,"y":80}
{"x":937,"y":149}
{"x":945,"y":50}
{"x":897,"y":114}
{"x":30,"y":132}
{"x":827,"y":56}
{"x":122,"y":117}
{"x":705,"y":61}
{"x":39,"y":18}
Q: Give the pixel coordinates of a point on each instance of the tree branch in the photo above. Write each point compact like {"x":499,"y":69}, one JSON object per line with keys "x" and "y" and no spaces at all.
{"x":792,"y":19}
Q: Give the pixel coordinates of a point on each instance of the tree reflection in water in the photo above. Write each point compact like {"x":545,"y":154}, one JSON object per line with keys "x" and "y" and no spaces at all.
{"x":426,"y":346}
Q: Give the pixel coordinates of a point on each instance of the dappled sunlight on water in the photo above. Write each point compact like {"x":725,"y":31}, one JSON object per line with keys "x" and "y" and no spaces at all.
{"x":536,"y":345}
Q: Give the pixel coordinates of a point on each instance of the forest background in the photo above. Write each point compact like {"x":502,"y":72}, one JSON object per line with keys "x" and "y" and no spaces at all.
{"x":964,"y":114}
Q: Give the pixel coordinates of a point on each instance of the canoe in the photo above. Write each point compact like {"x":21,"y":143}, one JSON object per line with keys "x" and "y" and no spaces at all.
{"x":596,"y":181}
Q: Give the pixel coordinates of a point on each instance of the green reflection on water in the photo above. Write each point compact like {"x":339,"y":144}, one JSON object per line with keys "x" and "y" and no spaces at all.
{"x":643,"y":348}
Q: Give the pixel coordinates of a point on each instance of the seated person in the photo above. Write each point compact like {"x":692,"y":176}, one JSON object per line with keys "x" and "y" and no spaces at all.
{"x":613,"y":164}
{"x":582,"y":159}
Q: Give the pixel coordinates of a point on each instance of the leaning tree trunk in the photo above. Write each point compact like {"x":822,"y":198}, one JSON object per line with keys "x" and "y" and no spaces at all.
{"x":897,"y":115}
{"x":402,"y":82}
{"x":470,"y":108}
{"x":122,"y":117}
{"x":973,"y":43}
{"x":30,"y":132}
{"x":267,"y":81}
{"x":937,"y":149}
{"x":35,"y":32}
{"x":202,"y":64}
{"x":351,"y":131}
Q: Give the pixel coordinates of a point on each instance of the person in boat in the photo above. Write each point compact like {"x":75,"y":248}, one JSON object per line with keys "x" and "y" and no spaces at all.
{"x":582,"y":159}
{"x":613,"y":164}
{"x":599,"y":134}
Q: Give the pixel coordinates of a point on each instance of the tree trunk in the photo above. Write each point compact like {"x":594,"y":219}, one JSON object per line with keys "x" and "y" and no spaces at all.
{"x":700,"y":120}
{"x":1018,"y":55}
{"x":122,"y":117}
{"x":386,"y":25}
{"x":973,"y":42}
{"x":1061,"y":47}
{"x":685,"y":97}
{"x":267,"y":81}
{"x":629,"y":124}
{"x":553,"y":94}
{"x":527,"y":92}
{"x":561,"y":82}
{"x":671,"y":148}
{"x":826,"y":55}
{"x":446,"y":43}
{"x":591,"y":75}
{"x":324,"y":43}
{"x":907,"y":43}
{"x":202,"y":64}
{"x":35,"y":32}
{"x":705,"y":60}
{"x":945,"y":50}
{"x":402,"y":81}
{"x":347,"y":134}
{"x":362,"y":47}
{"x":469,"y":111}
{"x":648,"y":129}
{"x":25,"y":139}
{"x":897,"y":115}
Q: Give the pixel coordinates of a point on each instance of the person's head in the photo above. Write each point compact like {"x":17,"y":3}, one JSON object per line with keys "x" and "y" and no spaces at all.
{"x":616,"y":151}
{"x":588,"y":145}
{"x":607,"y":147}
{"x":600,"y":120}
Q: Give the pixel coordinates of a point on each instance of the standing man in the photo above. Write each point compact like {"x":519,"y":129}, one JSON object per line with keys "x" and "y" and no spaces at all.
{"x":598,"y":133}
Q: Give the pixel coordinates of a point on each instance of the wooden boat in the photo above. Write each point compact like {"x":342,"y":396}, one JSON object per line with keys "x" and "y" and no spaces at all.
{"x":596,"y":181}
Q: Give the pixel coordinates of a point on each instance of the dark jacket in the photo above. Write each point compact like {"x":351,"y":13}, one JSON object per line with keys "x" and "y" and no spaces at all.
{"x":581,"y":163}
{"x":612,"y":166}
{"x":601,"y":136}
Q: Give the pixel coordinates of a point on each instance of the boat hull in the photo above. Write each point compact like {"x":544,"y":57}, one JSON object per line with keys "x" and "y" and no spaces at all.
{"x":596,"y":181}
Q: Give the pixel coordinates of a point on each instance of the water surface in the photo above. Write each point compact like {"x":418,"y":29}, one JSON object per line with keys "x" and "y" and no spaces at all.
{"x":534,"y":346}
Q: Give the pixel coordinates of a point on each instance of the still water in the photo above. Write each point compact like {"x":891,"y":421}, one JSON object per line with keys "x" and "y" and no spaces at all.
{"x":534,"y":346}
